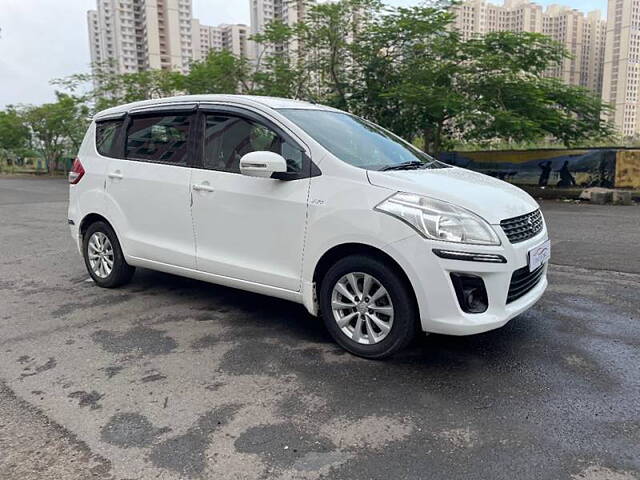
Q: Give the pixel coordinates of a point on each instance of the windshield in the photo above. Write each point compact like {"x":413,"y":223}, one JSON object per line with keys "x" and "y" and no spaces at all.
{"x":359,"y":142}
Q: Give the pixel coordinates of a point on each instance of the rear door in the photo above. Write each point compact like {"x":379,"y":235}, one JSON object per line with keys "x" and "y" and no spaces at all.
{"x":148,"y":187}
{"x":249,"y":228}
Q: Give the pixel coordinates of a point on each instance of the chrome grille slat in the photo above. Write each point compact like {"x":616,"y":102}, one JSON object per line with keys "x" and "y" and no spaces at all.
{"x":524,"y":227}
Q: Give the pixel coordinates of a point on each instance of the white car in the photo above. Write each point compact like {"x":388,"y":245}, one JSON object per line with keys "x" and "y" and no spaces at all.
{"x":310,"y":204}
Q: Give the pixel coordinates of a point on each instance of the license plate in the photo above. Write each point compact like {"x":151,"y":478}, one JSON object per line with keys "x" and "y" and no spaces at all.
{"x":539,"y":255}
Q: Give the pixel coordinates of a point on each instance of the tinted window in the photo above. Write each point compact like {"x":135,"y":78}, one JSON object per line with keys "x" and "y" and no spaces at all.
{"x":159,"y":139}
{"x":106,"y":133}
{"x":357,"y":141}
{"x":228,"y":138}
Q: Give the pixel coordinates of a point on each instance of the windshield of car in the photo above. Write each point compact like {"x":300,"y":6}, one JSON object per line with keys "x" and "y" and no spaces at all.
{"x":359,"y":142}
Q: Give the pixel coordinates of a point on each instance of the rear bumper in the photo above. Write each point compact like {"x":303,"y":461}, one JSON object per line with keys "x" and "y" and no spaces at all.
{"x":74,"y":219}
{"x":430,"y":275}
{"x":75,"y":235}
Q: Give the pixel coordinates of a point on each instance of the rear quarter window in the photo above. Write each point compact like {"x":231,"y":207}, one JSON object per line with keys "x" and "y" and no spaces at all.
{"x":106,"y":134}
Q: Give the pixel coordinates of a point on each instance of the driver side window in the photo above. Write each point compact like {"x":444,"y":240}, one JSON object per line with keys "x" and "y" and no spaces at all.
{"x":228,"y":138}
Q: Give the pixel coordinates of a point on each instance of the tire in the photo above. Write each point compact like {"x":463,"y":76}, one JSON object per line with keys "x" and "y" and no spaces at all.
{"x":94,"y":238}
{"x":372,"y":341}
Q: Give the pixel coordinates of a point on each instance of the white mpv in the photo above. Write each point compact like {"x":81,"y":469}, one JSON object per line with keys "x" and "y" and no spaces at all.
{"x":310,"y":204}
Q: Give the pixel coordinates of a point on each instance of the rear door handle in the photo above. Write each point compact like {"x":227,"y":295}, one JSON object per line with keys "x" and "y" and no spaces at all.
{"x":203,"y":187}
{"x":116,"y":175}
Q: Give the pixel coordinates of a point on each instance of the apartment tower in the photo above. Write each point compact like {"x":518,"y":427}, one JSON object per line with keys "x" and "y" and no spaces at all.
{"x":622,"y":65}
{"x":136,"y":35}
{"x":234,"y":38}
{"x":264,"y":12}
{"x":582,"y":35}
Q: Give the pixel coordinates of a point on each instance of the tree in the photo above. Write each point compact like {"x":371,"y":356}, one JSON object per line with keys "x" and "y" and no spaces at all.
{"x":76,"y":116}
{"x":102,"y":88}
{"x":327,"y":37}
{"x":14,"y":134}
{"x":404,"y":42}
{"x":57,"y":128}
{"x":416,"y":76}
{"x":513,"y":99}
{"x":408,"y":60}
{"x":220,"y":72}
{"x":278,"y":72}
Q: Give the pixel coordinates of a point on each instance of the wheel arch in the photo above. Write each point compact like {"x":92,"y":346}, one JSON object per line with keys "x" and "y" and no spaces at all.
{"x":90,"y":219}
{"x":343,"y":250}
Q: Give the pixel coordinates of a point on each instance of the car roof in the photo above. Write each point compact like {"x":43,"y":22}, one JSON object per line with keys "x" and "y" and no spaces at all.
{"x":246,"y":100}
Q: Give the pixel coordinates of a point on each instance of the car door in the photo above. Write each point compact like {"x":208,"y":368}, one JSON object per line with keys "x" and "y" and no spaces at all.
{"x":249,"y":228}
{"x":148,"y":187}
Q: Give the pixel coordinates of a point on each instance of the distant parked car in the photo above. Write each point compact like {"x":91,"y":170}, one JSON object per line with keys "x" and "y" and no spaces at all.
{"x":310,"y":204}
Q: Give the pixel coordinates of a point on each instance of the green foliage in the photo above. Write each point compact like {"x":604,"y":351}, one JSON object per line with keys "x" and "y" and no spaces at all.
{"x":103,"y":88}
{"x":328,"y":37}
{"x":14,"y":134}
{"x":57,"y":128}
{"x":411,"y":60}
{"x":514,"y":100}
{"x":278,"y":72}
{"x":492,"y":87}
{"x":220,"y":72}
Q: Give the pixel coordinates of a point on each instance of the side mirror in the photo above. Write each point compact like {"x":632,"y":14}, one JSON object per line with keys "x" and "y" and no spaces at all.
{"x":262,"y":164}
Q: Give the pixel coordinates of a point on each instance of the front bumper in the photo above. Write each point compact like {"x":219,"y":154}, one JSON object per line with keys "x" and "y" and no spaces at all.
{"x":430,"y":275}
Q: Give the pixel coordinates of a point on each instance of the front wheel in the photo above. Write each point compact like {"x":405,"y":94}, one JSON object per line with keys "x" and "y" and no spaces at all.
{"x":103,"y":256}
{"x":367,"y":307}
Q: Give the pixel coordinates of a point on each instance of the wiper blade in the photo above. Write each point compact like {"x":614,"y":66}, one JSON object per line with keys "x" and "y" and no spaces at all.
{"x":403,"y":166}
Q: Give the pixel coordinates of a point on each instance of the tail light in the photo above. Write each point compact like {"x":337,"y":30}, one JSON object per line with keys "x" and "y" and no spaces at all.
{"x":77,"y":172}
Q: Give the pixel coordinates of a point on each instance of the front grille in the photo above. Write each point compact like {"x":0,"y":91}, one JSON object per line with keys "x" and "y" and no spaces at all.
{"x":523,"y":281}
{"x":519,"y":229}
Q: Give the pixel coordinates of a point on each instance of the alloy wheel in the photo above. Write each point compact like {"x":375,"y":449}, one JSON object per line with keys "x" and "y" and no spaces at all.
{"x":362,"y":308}
{"x":101,"y":256}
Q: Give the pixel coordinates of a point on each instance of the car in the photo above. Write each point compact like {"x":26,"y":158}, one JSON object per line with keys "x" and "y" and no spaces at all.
{"x":310,"y":204}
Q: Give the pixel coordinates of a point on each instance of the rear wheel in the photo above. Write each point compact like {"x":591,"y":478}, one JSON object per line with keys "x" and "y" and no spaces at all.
{"x":367,"y":307}
{"x":103,"y":256}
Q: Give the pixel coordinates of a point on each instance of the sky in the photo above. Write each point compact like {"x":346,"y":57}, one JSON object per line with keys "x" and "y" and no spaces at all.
{"x":45,"y":39}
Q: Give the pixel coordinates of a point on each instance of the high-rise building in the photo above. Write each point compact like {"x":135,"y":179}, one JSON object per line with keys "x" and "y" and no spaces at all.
{"x":622,"y":65}
{"x":234,"y":38}
{"x":582,"y":35}
{"x":135,"y":35}
{"x":584,"y":38}
{"x":593,"y":53}
{"x":264,"y":12}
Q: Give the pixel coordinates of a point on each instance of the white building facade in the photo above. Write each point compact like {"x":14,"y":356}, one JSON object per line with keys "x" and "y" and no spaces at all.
{"x":137,"y":35}
{"x":128,"y":36}
{"x":582,"y":35}
{"x":231,"y":37}
{"x":622,"y":65}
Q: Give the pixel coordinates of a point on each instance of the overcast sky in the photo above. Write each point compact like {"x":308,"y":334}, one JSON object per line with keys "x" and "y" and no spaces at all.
{"x":45,"y":39}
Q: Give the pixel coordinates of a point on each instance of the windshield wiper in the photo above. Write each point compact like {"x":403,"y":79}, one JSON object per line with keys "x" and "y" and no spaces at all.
{"x":413,"y":164}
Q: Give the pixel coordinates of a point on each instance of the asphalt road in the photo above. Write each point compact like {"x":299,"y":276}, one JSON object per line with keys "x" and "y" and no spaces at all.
{"x":172,"y":378}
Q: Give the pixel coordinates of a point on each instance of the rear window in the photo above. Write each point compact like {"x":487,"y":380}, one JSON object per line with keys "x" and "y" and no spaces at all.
{"x":106,"y":133}
{"x":159,"y":139}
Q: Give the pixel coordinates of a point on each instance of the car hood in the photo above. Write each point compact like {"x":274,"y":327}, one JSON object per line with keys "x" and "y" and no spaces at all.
{"x":492,"y":199}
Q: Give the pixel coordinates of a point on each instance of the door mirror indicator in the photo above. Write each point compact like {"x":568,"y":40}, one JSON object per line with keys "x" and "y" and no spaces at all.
{"x":262,"y":164}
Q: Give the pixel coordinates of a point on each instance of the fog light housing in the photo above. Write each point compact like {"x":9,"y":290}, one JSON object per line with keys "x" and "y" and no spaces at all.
{"x":471,"y":292}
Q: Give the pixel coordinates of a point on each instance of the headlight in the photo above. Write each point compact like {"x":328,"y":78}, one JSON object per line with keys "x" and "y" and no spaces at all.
{"x":439,"y":220}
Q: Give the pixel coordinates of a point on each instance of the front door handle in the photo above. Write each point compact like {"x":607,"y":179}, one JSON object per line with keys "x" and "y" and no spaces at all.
{"x":203,"y":187}
{"x":116,"y":175}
